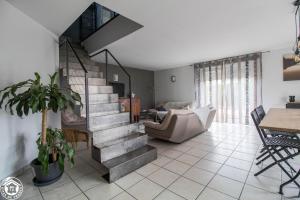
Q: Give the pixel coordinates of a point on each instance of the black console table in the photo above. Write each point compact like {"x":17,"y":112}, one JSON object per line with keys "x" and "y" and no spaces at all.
{"x":295,"y":105}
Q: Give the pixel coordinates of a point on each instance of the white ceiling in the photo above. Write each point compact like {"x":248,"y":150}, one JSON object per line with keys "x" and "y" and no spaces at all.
{"x":55,"y":15}
{"x":177,"y":32}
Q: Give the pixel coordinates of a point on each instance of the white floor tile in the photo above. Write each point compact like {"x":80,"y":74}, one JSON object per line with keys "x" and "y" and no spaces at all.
{"x":123,"y":196}
{"x":188,"y":159}
{"x":167,"y":195}
{"x":147,"y":169}
{"x":182,"y":147}
{"x":216,"y":158}
{"x":145,"y":190}
{"x":80,"y":170}
{"x":177,"y":167}
{"x":129,"y":180}
{"x":241,"y":164}
{"x":265,"y":183}
{"x":233,"y":173}
{"x":188,"y":167}
{"x":209,"y":194}
{"x":80,"y":197}
{"x":186,"y":188}
{"x":197,"y":152}
{"x":252,"y":193}
{"x":199,"y":175}
{"x":221,"y":151}
{"x":208,"y":165}
{"x":89,"y":181}
{"x":163,"y":177}
{"x":66,"y":191}
{"x":243,"y":156}
{"x":172,"y":154}
{"x":63,"y":180}
{"x":103,"y":191}
{"x":161,"y":160}
{"x":226,"y":185}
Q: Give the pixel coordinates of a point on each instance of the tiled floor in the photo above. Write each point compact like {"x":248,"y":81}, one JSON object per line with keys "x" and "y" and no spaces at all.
{"x":216,"y":165}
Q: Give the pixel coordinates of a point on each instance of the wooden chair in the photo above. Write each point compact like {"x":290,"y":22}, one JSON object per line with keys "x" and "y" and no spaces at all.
{"x":74,"y":135}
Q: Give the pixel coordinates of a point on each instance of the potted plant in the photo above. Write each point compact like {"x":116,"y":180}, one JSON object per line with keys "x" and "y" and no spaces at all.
{"x":33,"y":95}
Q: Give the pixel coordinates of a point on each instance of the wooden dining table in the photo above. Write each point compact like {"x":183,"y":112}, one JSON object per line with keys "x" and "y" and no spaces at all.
{"x":282,"y":119}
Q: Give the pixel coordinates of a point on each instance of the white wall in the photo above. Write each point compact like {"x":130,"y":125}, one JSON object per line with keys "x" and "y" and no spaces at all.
{"x":275,"y":90}
{"x":25,"y":47}
{"x":181,"y":90}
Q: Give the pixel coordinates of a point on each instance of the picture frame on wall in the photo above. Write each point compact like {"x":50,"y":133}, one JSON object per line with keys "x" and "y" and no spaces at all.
{"x":291,"y":69}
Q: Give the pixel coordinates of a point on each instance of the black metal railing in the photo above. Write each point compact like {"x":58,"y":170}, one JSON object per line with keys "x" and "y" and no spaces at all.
{"x":107,"y":52}
{"x":68,"y":45}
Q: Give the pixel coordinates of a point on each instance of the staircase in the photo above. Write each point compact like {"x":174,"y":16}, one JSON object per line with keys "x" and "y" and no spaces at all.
{"x":116,"y":143}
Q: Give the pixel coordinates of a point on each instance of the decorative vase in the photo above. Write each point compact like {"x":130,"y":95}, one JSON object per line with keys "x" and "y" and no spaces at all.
{"x":115,"y":77}
{"x":292,"y":99}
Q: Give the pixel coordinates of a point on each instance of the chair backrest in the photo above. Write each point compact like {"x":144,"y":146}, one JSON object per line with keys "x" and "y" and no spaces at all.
{"x":260,"y":112}
{"x":256,"y":121}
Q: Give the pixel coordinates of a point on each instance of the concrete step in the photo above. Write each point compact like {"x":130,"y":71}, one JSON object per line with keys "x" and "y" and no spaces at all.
{"x":81,"y":73}
{"x":109,"y":108}
{"x":101,"y":98}
{"x":127,"y":163}
{"x":118,"y":147}
{"x":102,"y":122}
{"x":76,"y":65}
{"x":93,"y":89}
{"x":74,"y":80}
{"x":80,"y":52}
{"x":84,"y":60}
{"x":114,"y":133}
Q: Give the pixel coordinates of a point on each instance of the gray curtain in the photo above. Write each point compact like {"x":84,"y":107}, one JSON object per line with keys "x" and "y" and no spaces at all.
{"x":231,"y":85}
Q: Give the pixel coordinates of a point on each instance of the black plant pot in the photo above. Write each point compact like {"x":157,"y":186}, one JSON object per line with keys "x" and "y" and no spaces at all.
{"x":53,"y":175}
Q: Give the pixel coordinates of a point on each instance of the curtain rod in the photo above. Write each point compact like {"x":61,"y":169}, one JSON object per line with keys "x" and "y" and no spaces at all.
{"x":230,"y":58}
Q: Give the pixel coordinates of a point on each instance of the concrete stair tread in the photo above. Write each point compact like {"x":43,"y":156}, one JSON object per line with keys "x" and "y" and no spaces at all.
{"x":76,"y":65}
{"x":102,"y":103}
{"x":129,"y":162}
{"x":100,"y":114}
{"x":80,"y":80}
{"x":101,"y":128}
{"x":79,"y":71}
{"x":114,"y":133}
{"x":133,"y":135}
{"x":93,"y":89}
{"x":104,"y":113}
{"x":101,"y":98}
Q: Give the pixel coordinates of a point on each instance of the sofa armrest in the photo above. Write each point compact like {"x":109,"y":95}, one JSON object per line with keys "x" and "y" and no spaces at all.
{"x":153,"y":125}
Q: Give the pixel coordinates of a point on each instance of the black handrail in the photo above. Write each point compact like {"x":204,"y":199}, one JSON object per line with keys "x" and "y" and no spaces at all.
{"x":87,"y":112}
{"x":123,"y":69}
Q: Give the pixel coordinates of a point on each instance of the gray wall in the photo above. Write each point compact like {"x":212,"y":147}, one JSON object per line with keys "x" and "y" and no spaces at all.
{"x":142,"y":82}
{"x":181,"y":90}
{"x":275,"y":90}
{"x":26,"y":47}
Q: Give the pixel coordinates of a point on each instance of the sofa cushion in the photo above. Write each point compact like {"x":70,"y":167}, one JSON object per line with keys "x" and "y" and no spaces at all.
{"x":177,"y":105}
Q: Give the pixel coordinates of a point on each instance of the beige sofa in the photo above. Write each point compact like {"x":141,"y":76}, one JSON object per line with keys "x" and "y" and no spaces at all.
{"x":181,"y":125}
{"x":162,"y":108}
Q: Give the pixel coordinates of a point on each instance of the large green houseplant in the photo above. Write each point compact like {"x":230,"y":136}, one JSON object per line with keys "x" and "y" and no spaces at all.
{"x":32,"y":95}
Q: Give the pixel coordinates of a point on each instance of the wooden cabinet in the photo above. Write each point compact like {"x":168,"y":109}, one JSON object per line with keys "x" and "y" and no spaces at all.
{"x":136,"y":107}
{"x":295,"y":105}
